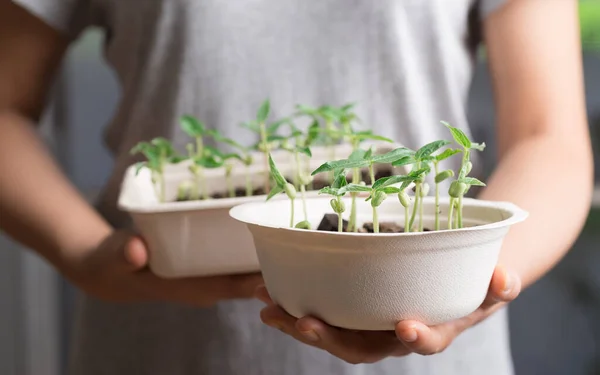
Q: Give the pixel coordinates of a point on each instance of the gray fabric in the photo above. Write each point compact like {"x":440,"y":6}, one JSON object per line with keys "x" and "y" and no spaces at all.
{"x":408,"y":63}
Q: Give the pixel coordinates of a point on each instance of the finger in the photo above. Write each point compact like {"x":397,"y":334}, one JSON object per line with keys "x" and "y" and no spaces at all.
{"x":136,"y":253}
{"x":262,"y":294}
{"x":351,"y":346}
{"x":421,"y":339}
{"x":505,"y":286}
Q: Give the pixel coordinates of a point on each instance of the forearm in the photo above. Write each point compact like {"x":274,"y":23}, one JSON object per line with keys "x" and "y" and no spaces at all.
{"x":552,"y":179}
{"x":39,"y":207}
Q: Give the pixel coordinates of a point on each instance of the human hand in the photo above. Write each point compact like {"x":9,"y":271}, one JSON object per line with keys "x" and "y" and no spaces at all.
{"x":117,"y":271}
{"x":409,"y":336}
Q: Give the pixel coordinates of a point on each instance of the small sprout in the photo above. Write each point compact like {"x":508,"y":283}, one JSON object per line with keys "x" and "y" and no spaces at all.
{"x":158,"y":153}
{"x":459,"y":187}
{"x":303,"y":225}
{"x":281,"y":186}
{"x":404,"y":199}
{"x":444,"y":175}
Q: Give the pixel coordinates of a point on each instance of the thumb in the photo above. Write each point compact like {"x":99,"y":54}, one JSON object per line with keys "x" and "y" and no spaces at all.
{"x":135,"y":253}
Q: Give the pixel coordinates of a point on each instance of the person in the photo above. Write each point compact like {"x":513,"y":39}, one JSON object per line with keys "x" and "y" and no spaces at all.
{"x":407,"y":63}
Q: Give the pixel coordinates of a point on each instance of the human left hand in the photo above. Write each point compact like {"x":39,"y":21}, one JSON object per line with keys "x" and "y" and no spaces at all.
{"x":409,"y":336}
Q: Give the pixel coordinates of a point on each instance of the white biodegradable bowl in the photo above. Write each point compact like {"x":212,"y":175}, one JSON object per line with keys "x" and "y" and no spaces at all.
{"x":199,"y":238}
{"x":366,"y":281}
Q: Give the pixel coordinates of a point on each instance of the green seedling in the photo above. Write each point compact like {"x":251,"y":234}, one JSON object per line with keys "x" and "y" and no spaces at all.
{"x":282,"y":186}
{"x":245,"y":157}
{"x":403,"y":197}
{"x":424,"y":158}
{"x":265,"y":132}
{"x":366,"y":160}
{"x":337,"y":189}
{"x":461,"y":185}
{"x":197,"y":130}
{"x":158,"y":153}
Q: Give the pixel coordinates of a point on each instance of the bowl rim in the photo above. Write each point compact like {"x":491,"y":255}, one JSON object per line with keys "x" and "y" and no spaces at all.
{"x":516,"y":213}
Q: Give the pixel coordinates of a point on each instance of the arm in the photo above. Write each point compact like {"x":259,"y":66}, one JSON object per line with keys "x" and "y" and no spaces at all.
{"x":30,"y":52}
{"x":545,"y":151}
{"x":42,"y":210}
{"x":545,"y":167}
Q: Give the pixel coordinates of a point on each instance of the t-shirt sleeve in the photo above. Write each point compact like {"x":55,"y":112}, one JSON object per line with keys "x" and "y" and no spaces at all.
{"x":69,"y":17}
{"x":487,"y":7}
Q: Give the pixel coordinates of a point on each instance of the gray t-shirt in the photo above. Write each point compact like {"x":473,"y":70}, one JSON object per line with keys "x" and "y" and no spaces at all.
{"x":408,"y":63}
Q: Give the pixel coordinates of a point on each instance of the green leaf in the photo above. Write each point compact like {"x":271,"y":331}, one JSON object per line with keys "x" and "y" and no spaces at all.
{"x":367,"y":134}
{"x":478,"y":146}
{"x":263,"y":112}
{"x":232,"y":156}
{"x":391,"y":180}
{"x":165,"y":148}
{"x":459,"y":136}
{"x":404,"y":185}
{"x":304,"y":150}
{"x":340,"y":164}
{"x":390,"y":190}
{"x":175,"y":159}
{"x":368,"y":153}
{"x":252,"y":125}
{"x":356,"y":188}
{"x":275,"y":138}
{"x":358,"y":154}
{"x":313,"y":133}
{"x":210,"y":161}
{"x":429,"y":149}
{"x":274,"y":127}
{"x":339,"y":179}
{"x":447,"y":153}
{"x":192,"y":126}
{"x":392,"y":156}
{"x":471,"y":181}
{"x":274,"y":191}
{"x":331,"y":191}
{"x":277,"y":176}
{"x":139,"y":166}
{"x":306,"y":110}
{"x":347,"y":107}
{"x":406,"y":160}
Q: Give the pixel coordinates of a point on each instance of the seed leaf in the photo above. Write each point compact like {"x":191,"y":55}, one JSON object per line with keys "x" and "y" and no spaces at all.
{"x":391,"y":180}
{"x":192,"y":126}
{"x":274,"y":191}
{"x":459,"y":136}
{"x":263,"y":112}
{"x":164,"y":146}
{"x":340,"y":164}
{"x":358,"y":154}
{"x":429,"y":149}
{"x":471,"y":181}
{"x":392,"y":156}
{"x":447,"y":153}
{"x":277,"y":176}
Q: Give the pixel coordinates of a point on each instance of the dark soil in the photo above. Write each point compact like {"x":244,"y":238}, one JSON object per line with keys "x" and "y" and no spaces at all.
{"x":329,"y":223}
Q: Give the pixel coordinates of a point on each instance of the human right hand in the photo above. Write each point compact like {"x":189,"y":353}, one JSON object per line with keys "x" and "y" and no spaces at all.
{"x":117,"y":271}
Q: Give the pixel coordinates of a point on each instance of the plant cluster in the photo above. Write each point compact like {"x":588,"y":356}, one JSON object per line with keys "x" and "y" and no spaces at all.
{"x":328,"y":126}
{"x":422,"y":163}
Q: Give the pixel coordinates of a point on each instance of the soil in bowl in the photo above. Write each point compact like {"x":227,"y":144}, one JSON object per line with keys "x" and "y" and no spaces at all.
{"x":329,"y":223}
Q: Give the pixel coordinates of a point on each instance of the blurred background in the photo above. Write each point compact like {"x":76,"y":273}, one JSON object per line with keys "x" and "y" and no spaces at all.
{"x":555,"y":324}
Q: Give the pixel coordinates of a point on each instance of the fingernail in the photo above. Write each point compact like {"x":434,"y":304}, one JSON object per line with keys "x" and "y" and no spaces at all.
{"x":409,"y":335}
{"x":310,"y":335}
